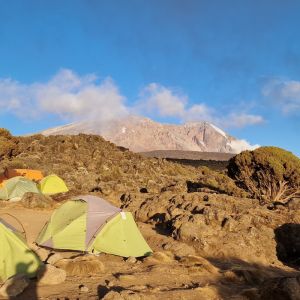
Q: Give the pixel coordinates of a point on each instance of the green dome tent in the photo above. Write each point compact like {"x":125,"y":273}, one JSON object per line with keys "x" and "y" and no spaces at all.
{"x":91,"y":224}
{"x":16,"y":187}
{"x":15,"y":256}
{"x":52,"y":184}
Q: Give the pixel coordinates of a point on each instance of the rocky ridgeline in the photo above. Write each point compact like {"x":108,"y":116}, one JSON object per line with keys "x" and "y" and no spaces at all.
{"x":90,"y":164}
{"x":133,"y":132}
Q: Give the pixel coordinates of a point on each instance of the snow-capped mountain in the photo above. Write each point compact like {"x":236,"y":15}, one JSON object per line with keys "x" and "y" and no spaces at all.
{"x":142,"y":134}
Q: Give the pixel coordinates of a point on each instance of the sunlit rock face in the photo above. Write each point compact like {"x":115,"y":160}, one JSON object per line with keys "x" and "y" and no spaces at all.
{"x":142,"y":134}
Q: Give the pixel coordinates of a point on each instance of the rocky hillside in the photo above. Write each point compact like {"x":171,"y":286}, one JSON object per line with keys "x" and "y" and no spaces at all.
{"x":142,"y":134}
{"x":207,"y":233}
{"x":88,"y":163}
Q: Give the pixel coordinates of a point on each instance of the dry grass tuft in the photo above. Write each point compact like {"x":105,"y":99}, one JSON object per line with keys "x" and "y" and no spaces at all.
{"x":87,"y":265}
{"x":34,"y":200}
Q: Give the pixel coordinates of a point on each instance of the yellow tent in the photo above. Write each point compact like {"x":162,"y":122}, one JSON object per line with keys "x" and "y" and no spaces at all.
{"x":52,"y":184}
{"x":16,"y":187}
{"x":15,"y":255}
{"x":91,"y":224}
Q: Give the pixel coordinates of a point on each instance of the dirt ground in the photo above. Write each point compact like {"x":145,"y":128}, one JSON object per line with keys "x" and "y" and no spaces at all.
{"x":173,"y":272}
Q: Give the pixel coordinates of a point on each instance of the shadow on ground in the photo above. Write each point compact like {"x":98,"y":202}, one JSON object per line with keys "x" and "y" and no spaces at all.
{"x":287,"y":239}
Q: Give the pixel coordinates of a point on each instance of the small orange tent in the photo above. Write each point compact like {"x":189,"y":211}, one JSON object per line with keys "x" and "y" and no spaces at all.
{"x":2,"y":179}
{"x":34,"y":175}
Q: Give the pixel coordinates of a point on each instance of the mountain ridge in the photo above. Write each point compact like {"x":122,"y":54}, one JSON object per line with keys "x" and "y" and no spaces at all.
{"x":140,"y":134}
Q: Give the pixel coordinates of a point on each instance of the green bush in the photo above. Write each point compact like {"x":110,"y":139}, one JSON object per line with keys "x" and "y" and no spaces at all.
{"x":220,"y":182}
{"x":269,"y":174}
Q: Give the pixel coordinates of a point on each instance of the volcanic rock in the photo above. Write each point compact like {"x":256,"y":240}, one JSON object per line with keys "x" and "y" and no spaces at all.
{"x":14,"y":286}
{"x":50,"y":275}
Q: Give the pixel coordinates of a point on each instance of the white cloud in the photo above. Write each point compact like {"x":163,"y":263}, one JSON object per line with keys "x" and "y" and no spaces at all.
{"x":75,"y":98}
{"x":10,"y":92}
{"x":242,"y":145}
{"x":67,"y":95}
{"x":283,"y":93}
{"x":156,"y":99}
{"x":159,"y":100}
{"x":199,"y":112}
{"x":241,"y":120}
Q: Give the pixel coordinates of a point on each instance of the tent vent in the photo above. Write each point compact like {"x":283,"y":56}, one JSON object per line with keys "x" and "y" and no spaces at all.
{"x":123,"y":215}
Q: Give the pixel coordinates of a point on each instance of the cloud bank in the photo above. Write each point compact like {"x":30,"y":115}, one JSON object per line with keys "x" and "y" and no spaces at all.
{"x":156,"y":99}
{"x":67,"y":95}
{"x":285,"y":94}
{"x":75,"y":98}
{"x":241,"y":145}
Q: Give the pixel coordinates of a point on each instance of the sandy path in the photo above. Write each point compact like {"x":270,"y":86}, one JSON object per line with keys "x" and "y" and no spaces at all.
{"x":32,"y":220}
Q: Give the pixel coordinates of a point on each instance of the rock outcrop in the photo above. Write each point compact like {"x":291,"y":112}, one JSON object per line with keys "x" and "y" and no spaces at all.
{"x":14,"y":286}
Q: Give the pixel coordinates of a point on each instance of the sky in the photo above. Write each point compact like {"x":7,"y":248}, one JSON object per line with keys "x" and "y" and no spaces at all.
{"x":233,"y":63}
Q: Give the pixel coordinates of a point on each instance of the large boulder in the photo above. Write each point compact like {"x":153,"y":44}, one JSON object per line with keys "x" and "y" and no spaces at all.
{"x":14,"y":286}
{"x":282,"y":288}
{"x":53,"y":258}
{"x":42,"y":253}
{"x":50,"y":275}
{"x":287,"y":238}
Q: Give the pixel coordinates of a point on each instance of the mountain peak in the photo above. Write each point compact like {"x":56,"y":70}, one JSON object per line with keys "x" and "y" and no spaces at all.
{"x":140,"y":134}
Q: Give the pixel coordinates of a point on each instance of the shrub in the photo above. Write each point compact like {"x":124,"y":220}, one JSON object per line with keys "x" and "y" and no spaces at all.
{"x":5,"y":133}
{"x":8,"y":144}
{"x":269,"y":174}
{"x":219,"y":182}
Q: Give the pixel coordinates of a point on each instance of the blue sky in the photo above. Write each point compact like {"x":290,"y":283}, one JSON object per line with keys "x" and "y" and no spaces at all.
{"x":234,"y":63}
